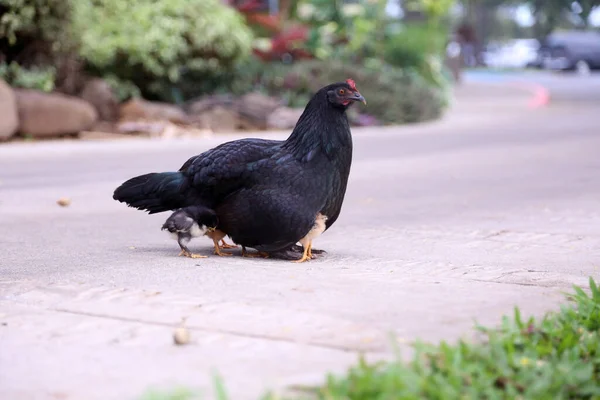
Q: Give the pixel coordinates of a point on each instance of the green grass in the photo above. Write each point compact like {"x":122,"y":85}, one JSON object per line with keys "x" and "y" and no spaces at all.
{"x":555,"y":357}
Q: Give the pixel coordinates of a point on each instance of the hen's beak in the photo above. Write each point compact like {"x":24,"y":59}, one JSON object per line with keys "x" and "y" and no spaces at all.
{"x":358,"y":97}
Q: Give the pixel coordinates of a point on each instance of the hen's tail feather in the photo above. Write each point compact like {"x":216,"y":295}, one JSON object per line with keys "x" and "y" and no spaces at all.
{"x":155,"y":192}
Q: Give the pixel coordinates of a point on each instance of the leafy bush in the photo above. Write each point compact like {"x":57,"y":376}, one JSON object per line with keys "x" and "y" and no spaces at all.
{"x":420,"y":46}
{"x":44,"y":20}
{"x":122,"y":89}
{"x":40,"y":78}
{"x":393,"y":95}
{"x":35,"y":33}
{"x":349,"y":31}
{"x":361,"y":33}
{"x":409,"y":45}
{"x":154,"y":43}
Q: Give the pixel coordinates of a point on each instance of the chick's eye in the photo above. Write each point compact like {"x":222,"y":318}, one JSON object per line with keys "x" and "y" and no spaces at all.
{"x":341,"y":91}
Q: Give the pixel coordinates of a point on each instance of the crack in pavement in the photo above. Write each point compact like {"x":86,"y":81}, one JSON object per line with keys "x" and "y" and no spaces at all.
{"x":379,"y":349}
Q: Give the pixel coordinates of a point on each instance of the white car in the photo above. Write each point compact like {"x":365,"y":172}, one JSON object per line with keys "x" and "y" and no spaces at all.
{"x":514,"y":54}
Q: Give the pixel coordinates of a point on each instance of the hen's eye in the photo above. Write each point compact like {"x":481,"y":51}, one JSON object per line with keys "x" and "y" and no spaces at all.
{"x":341,"y":91}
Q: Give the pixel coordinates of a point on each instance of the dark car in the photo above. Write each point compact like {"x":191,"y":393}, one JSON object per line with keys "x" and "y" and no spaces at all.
{"x":572,"y":51}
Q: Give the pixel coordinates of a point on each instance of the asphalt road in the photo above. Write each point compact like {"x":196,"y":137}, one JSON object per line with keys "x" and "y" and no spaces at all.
{"x":444,"y":224}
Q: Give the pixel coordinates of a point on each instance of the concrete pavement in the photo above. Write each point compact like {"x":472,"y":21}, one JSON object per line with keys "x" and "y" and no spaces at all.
{"x":444,"y":224}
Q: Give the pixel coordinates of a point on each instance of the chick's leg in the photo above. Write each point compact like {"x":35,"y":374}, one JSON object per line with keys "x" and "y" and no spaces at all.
{"x":187,"y":253}
{"x":305,"y":256}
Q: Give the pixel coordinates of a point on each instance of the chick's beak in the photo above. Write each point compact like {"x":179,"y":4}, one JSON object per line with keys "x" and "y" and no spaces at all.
{"x":358,"y":97}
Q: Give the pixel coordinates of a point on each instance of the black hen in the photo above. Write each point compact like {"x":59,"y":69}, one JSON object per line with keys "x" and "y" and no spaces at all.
{"x":188,"y":223}
{"x":266,"y":193}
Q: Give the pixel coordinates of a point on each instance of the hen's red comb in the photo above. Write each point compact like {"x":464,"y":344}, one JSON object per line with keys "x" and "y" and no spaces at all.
{"x":351,"y":83}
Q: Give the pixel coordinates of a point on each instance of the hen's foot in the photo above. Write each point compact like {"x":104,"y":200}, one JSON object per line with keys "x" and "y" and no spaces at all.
{"x":260,"y":254}
{"x":224,"y":245}
{"x":303,"y":259}
{"x":298,"y":249}
{"x":305,"y":255}
{"x":287,"y":255}
{"x":218,"y":252}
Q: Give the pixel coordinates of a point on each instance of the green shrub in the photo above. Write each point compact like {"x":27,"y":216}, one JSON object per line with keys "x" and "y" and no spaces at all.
{"x":353,"y":31}
{"x":393,"y":95}
{"x":154,"y":43}
{"x":39,"y":78}
{"x":122,"y":89}
{"x":43,"y":20}
{"x":35,"y":34}
{"x":420,"y":46}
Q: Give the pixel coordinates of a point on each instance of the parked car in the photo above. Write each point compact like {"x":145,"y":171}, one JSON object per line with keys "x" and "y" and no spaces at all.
{"x":573,"y":51}
{"x":517,"y":53}
{"x":541,"y":57}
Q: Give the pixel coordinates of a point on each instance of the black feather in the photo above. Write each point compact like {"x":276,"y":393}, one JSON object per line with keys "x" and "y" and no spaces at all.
{"x":155,"y":192}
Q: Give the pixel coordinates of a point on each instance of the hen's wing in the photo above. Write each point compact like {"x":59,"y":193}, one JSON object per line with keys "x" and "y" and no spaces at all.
{"x":220,"y":171}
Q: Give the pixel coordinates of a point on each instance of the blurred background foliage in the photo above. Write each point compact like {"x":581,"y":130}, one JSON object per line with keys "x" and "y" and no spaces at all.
{"x":39,"y":78}
{"x":177,"y":50}
{"x":394,"y":95}
{"x":156,"y":43}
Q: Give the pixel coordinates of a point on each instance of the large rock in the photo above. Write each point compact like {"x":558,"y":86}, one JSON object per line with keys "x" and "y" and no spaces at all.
{"x":222,"y":113}
{"x":255,"y":108}
{"x":284,"y":118}
{"x":98,"y":93}
{"x":140,"y":109}
{"x":50,"y":114}
{"x":206,"y":103}
{"x":9,"y":117}
{"x":218,"y":119}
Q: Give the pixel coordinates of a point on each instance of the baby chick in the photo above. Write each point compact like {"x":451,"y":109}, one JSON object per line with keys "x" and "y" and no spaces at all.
{"x":190,"y":222}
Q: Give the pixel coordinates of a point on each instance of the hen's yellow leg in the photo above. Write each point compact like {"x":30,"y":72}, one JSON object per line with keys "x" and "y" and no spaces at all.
{"x":305,"y":256}
{"x":218,"y":250}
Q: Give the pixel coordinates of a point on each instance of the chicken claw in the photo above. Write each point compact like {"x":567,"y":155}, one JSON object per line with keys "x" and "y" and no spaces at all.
{"x":224,"y":245}
{"x":307,"y":255}
{"x":260,"y":254}
{"x":191,"y":255}
{"x":256,"y":255}
{"x":306,"y":241}
{"x":218,"y":249}
{"x":218,"y":252}
{"x":217,"y":236}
